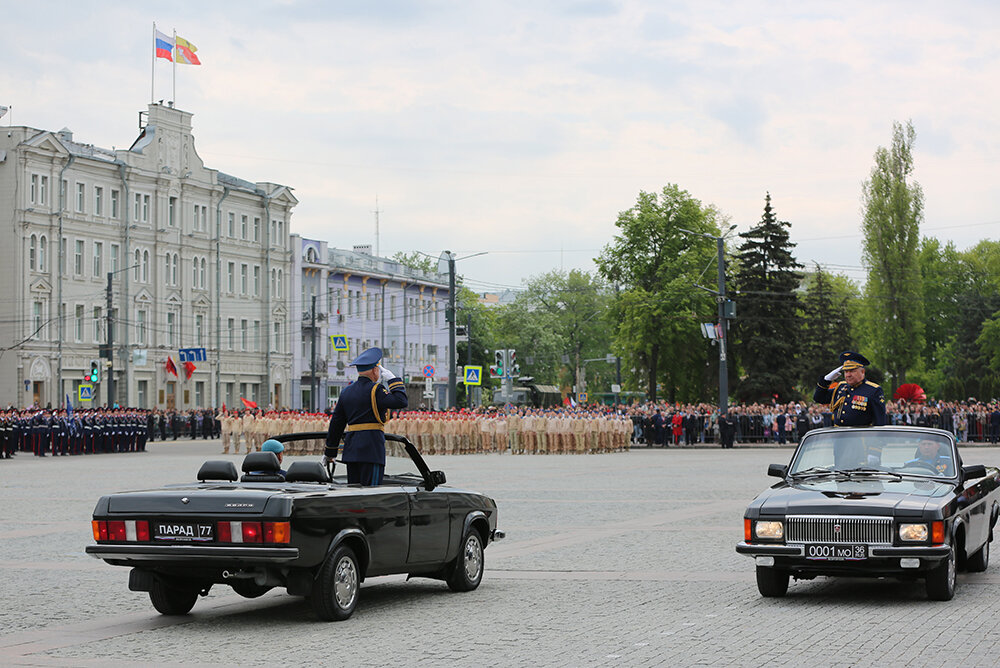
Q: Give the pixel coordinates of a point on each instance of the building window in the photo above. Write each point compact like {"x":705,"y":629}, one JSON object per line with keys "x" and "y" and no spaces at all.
{"x":39,"y":189}
{"x":33,"y":252}
{"x":172,"y":211}
{"x":115,"y":197}
{"x":232,"y":225}
{"x":256,"y":229}
{"x":78,"y":258}
{"x":78,"y":323}
{"x":81,"y":197}
{"x":36,"y":321}
{"x":98,"y":259}
{"x":243,"y":227}
{"x":199,"y":393}
{"x":201,"y":274}
{"x":243,"y":335}
{"x":232,"y":333}
{"x":256,"y":336}
{"x":256,"y":280}
{"x":199,"y":329}
{"x":63,"y":247}
{"x":98,"y":201}
{"x":243,"y":279}
{"x":171,"y":329}
{"x":145,"y":266}
{"x":141,"y":208}
{"x":98,"y":325}
{"x":140,"y":326}
{"x":137,"y":265}
{"x":230,"y":276}
{"x":114,"y":257}
{"x":43,"y":253}
{"x":33,"y":190}
{"x":277,"y":343}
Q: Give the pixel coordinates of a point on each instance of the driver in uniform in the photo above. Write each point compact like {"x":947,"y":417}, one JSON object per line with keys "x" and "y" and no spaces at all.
{"x":854,"y":401}
{"x":928,"y":454}
{"x":361,"y":412}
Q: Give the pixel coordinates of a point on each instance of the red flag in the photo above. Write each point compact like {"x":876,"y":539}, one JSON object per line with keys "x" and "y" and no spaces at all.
{"x":170,"y":366}
{"x":189,"y":368}
{"x":248,"y":404}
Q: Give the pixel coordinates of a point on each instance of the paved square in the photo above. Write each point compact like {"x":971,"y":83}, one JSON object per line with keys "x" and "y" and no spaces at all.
{"x":624,"y":559}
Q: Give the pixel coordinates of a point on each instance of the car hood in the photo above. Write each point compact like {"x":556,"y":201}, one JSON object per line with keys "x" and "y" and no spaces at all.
{"x":853,"y":497}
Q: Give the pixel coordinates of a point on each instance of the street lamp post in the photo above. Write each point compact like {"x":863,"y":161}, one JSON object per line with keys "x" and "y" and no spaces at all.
{"x":450,"y":318}
{"x":109,"y":351}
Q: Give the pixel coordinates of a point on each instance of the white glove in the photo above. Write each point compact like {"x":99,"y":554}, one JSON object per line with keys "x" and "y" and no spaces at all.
{"x":326,"y":460}
{"x":385,"y":373}
{"x":833,"y":374}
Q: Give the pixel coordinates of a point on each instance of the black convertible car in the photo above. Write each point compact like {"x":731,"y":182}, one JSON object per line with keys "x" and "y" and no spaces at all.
{"x":875,"y":502}
{"x":304,"y":530}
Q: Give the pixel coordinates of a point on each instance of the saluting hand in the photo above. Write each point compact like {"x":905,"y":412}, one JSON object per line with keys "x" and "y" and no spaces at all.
{"x":833,"y":374}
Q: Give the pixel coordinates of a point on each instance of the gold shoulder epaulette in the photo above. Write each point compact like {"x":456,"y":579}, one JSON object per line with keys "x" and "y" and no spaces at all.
{"x":868,"y":382}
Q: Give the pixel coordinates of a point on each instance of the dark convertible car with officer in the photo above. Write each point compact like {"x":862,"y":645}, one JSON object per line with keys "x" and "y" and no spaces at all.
{"x":873,"y":502}
{"x":315,"y":535}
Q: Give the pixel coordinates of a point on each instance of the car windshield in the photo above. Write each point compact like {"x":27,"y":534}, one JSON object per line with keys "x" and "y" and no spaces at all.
{"x":867,"y":451}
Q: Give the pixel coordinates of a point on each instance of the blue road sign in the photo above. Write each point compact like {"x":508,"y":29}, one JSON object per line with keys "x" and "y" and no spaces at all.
{"x":192,"y":355}
{"x":473,"y":375}
{"x":85,"y":392}
{"x":339,"y":343}
{"x":428,"y":371}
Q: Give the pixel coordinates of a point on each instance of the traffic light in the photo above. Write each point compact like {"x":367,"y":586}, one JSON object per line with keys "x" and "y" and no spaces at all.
{"x":498,"y":356}
{"x":95,"y":375}
{"x":515,"y":368}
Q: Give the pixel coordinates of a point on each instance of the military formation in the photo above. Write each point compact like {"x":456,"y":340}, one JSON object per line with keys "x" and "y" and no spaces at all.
{"x":45,"y":432}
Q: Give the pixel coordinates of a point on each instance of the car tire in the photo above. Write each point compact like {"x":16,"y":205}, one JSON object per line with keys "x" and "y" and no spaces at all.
{"x":940,"y":581}
{"x":771,"y":582}
{"x":980,"y":561}
{"x":249,"y":588}
{"x":336,"y":587}
{"x":467,"y":572}
{"x":169,"y":599}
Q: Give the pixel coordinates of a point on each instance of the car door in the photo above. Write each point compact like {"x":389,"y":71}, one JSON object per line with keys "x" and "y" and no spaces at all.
{"x":429,"y":525}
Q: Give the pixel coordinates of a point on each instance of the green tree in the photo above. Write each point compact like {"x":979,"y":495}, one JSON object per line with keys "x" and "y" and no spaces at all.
{"x":417,"y":260}
{"x":826,"y":324}
{"x":655,"y":315}
{"x":893,"y":210}
{"x":767,"y":332}
{"x":482,"y":324}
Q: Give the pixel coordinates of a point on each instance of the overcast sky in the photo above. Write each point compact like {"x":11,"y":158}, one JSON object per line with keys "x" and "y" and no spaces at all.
{"x":523,"y":128}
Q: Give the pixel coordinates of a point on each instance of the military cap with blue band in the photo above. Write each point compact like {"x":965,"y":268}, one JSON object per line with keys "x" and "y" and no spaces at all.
{"x":368,"y":359}
{"x":851,"y":360}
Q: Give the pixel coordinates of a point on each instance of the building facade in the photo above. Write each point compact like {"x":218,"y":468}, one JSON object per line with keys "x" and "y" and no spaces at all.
{"x":365,"y":301}
{"x":150,"y":243}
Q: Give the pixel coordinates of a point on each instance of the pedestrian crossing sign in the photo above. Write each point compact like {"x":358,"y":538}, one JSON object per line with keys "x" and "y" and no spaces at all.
{"x":582,"y":397}
{"x":473,"y":375}
{"x":85,"y":392}
{"x":339,"y":343}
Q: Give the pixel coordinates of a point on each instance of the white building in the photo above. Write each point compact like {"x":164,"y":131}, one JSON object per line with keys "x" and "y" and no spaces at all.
{"x":197,"y":258}
{"x":368,"y":302}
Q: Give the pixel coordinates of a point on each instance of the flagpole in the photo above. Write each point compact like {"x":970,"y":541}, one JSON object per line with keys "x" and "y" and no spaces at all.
{"x":152,"y":68}
{"x":174,"y":54}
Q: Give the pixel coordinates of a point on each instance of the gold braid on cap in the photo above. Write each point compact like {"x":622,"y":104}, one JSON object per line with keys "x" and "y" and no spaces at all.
{"x":851,"y":364}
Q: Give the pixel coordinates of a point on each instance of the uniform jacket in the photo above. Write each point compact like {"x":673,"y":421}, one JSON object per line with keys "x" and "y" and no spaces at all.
{"x":365,"y":405}
{"x":859,"y":406}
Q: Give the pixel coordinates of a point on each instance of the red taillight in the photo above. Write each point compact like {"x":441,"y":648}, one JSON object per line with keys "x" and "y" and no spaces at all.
{"x":224,"y":534}
{"x":251,"y":532}
{"x":100,"y":530}
{"x":277,"y":532}
{"x":116,"y":530}
{"x":142,"y":530}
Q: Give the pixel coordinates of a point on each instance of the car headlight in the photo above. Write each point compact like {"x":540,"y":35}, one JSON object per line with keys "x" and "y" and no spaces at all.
{"x":771,"y":530}
{"x":913,"y":532}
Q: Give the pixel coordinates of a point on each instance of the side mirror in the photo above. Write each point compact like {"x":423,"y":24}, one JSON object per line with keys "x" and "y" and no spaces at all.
{"x":438,"y":478}
{"x":973,"y":471}
{"x":777,"y":470}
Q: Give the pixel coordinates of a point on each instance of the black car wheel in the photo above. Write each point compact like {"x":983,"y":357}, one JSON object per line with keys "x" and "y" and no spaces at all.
{"x":249,"y":588}
{"x":980,"y":561}
{"x":468,"y":570}
{"x":940,"y":582}
{"x":172,"y":600}
{"x":335,"y":590}
{"x":771,"y":582}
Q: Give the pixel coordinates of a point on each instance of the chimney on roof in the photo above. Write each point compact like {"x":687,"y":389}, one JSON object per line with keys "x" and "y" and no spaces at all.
{"x":65,"y":134}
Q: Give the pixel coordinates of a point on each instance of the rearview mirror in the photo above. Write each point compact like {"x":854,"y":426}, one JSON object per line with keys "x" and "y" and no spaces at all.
{"x":777,"y":470}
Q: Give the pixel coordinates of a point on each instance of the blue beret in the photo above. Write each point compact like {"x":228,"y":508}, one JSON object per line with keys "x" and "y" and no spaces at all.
{"x":851,"y":360}
{"x":368,"y":359}
{"x":271,"y":445}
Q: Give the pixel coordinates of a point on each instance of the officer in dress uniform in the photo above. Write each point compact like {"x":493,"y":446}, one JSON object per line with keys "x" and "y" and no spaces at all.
{"x":361,"y":412}
{"x":854,"y":401}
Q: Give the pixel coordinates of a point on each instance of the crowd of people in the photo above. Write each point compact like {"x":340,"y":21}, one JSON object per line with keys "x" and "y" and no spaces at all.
{"x":515,"y":429}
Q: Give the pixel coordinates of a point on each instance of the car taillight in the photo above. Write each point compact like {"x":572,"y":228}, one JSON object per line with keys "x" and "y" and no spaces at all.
{"x":116,"y":530}
{"x":121,"y":530}
{"x":254,"y":532}
{"x":277,"y":532}
{"x":142,"y":530}
{"x":100,"y":530}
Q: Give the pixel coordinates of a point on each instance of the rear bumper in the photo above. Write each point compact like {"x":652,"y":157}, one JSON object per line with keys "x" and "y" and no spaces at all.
{"x":193,"y":553}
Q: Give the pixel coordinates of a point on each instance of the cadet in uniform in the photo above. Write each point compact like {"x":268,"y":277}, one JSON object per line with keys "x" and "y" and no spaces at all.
{"x":854,"y":401}
{"x":361,"y":412}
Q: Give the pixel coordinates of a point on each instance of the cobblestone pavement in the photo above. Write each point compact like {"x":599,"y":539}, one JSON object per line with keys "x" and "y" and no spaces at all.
{"x":611,"y":560}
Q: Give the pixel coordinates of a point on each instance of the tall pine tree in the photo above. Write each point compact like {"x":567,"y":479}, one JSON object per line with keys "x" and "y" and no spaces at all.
{"x":767,"y":327}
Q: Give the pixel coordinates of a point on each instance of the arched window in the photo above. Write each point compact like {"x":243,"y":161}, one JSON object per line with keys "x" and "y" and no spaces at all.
{"x":281,"y":287}
{"x":174,"y":270}
{"x":32,"y":246}
{"x":194,"y":273}
{"x":145,"y":266}
{"x":42,"y":253}
{"x":137,"y":264}
{"x":201,"y":274}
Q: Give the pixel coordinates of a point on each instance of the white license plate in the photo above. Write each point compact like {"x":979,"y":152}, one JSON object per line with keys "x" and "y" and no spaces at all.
{"x":837,"y":552}
{"x":182,"y":531}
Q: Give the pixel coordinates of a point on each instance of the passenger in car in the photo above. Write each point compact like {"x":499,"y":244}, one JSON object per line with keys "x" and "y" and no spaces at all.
{"x":928,"y":452}
{"x":271,"y":445}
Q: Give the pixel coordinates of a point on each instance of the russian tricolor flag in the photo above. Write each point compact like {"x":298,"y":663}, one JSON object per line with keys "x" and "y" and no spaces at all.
{"x":164,"y":45}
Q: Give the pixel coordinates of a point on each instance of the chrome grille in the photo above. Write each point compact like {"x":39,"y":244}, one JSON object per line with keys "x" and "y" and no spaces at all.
{"x":832,"y":529}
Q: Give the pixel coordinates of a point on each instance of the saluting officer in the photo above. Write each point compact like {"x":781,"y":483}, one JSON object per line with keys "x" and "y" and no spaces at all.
{"x":854,"y":401}
{"x":361,"y":412}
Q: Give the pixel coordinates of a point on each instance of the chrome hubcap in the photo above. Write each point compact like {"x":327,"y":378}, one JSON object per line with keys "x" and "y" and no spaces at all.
{"x":951,"y":571}
{"x":473,"y":557}
{"x":345,"y":587}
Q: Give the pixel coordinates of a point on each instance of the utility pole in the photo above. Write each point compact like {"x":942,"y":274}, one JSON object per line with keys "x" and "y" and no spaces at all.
{"x":721,"y":298}
{"x":108,"y":352}
{"x":450,"y":317}
{"x":312,"y":358}
{"x":468,"y":354}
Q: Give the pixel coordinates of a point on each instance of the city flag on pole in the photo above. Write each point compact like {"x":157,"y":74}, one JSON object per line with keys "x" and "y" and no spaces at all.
{"x":164,"y":45}
{"x":185,"y":52}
